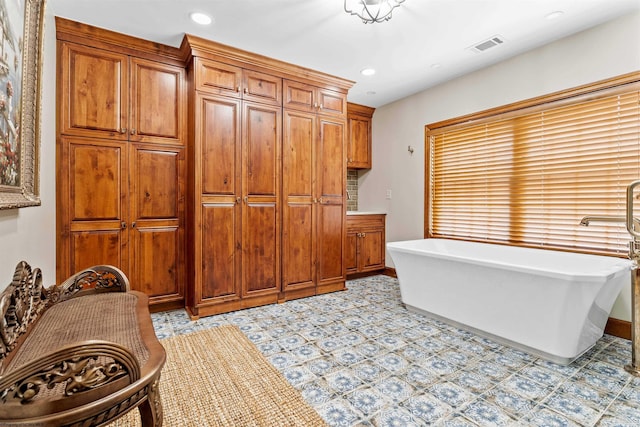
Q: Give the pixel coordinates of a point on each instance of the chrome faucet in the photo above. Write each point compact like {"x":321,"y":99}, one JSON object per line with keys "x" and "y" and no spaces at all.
{"x":609,"y":218}
{"x":633,"y":227}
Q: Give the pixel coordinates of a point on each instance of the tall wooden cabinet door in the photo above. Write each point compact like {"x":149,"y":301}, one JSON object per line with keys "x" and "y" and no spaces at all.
{"x":93,"y":88}
{"x":359,"y":142}
{"x":218,"y":190}
{"x":331,"y":175}
{"x":157,"y":229}
{"x":92,"y":203}
{"x":261,"y":164}
{"x":299,"y":209}
{"x":158,"y":102}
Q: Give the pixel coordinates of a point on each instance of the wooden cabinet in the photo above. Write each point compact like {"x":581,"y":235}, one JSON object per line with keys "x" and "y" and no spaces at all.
{"x":268,"y":180}
{"x":109,"y":95}
{"x":305,"y":97}
{"x":359,"y":121}
{"x":236,"y":185}
{"x":365,"y":243}
{"x":313,"y":192}
{"x":121,"y":163}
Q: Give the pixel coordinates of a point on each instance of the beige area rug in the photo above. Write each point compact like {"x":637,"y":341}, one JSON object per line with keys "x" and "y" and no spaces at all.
{"x":217,"y":377}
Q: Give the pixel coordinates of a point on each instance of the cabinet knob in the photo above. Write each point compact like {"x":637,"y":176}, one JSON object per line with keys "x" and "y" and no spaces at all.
{"x":315,"y":105}
{"x":246,"y":199}
{"x":133,"y":224}
{"x":123,"y":225}
{"x":321,"y":106}
{"x":123,"y":130}
{"x":133,"y":131}
{"x":238,"y":89}
{"x":238,"y":200}
{"x":245,"y":90}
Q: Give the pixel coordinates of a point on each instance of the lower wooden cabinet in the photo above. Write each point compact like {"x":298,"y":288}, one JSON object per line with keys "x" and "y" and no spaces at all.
{"x":365,"y":246}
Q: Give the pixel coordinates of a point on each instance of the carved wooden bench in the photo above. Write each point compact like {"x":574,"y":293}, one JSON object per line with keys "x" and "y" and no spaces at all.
{"x":81,"y":353}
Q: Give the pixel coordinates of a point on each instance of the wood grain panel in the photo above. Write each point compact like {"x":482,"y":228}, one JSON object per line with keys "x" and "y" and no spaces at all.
{"x":155,"y":183}
{"x":260,"y":248}
{"x":217,"y":78}
{"x":219,"y":254}
{"x":157,"y":101}
{"x":298,"y":257}
{"x":93,"y":87}
{"x":97,"y":247}
{"x":260,"y":87}
{"x":155,"y":257}
{"x":330,"y":241}
{"x":261,"y":143}
{"x":219,"y":135}
{"x":331,"y":148}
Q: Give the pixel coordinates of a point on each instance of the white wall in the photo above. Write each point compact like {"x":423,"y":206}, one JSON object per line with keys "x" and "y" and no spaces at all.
{"x":29,"y":233}
{"x":602,"y":52}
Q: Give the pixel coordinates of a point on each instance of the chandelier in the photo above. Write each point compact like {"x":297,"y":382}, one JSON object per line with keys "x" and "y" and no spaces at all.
{"x":371,"y":11}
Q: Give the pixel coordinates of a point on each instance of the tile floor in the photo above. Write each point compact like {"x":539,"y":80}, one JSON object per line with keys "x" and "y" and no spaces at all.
{"x":361,"y":359}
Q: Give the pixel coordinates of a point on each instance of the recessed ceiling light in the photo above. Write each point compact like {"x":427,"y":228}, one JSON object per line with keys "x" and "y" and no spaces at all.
{"x":371,"y":92}
{"x":554,"y":15}
{"x":436,"y":65}
{"x":367,"y":71}
{"x":200,"y":18}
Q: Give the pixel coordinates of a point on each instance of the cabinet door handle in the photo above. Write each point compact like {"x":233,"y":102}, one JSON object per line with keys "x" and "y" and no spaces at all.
{"x":133,"y":131}
{"x":238,"y":200}
{"x":123,"y":225}
{"x":123,"y":130}
{"x":246,"y":90}
{"x":133,"y":224}
{"x":238,"y":89}
{"x":364,"y":234}
{"x":246,"y":199}
{"x":321,"y":106}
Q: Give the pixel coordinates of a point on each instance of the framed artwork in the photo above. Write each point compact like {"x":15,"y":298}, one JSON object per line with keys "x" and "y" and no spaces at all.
{"x":21,"y":37}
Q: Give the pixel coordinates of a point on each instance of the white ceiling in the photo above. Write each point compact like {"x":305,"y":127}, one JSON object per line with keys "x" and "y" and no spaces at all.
{"x":318,"y":34}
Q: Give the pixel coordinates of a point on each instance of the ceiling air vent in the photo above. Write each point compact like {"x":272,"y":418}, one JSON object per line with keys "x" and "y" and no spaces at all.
{"x":487,"y":44}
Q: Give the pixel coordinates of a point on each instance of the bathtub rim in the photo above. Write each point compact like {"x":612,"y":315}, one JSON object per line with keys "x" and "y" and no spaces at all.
{"x":619,"y":266}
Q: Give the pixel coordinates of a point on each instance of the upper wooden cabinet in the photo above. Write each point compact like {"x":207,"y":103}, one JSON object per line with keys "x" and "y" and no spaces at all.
{"x":223,"y":79}
{"x":359,"y":122}
{"x":305,"y":97}
{"x":106,"y":94}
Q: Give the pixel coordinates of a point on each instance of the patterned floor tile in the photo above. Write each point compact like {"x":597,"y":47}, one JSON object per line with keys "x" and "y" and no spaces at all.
{"x":395,"y":388}
{"x":367,"y":400}
{"x":395,"y":417}
{"x":339,"y":413}
{"x":361,"y":359}
{"x":486,"y":414}
{"x":450,"y":394}
{"x":426,"y":408}
{"x":572,"y":408}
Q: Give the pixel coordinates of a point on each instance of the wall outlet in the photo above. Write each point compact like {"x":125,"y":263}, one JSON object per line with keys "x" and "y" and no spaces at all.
{"x":388,"y":194}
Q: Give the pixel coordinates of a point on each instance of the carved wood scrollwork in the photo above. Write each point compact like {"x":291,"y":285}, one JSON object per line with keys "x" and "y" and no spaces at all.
{"x":101,"y":278}
{"x":24,"y":300}
{"x":20,"y":305}
{"x":77,"y":374}
{"x":78,"y":368}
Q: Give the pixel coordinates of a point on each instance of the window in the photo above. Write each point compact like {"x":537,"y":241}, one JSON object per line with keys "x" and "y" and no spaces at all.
{"x":525,"y":174}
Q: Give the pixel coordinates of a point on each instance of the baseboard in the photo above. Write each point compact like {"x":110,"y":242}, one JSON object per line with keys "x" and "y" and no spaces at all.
{"x":618,"y":328}
{"x":389,"y":271}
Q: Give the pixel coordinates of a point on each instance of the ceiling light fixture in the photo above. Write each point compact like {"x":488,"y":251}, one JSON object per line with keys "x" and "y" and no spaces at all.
{"x":368,"y":71}
{"x":371,"y":11}
{"x":200,"y":18}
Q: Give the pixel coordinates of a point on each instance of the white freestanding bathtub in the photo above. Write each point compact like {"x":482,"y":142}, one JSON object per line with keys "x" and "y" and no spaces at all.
{"x":549,"y":303}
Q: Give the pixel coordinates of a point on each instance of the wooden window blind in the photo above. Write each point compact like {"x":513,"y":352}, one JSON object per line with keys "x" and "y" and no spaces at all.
{"x":526,"y":177}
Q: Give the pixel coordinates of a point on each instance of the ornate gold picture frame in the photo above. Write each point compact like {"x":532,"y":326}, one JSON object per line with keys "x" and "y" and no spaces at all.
{"x":21,"y":37}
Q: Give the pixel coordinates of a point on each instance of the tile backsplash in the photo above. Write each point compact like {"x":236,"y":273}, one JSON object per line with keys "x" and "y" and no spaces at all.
{"x":352,"y":190}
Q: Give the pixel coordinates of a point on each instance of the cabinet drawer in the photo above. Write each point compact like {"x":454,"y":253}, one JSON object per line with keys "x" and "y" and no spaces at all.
{"x":360,"y":222}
